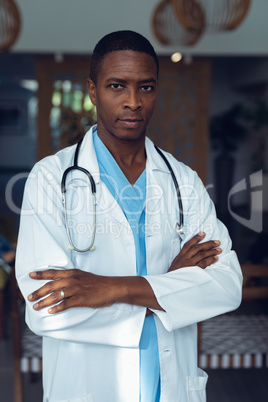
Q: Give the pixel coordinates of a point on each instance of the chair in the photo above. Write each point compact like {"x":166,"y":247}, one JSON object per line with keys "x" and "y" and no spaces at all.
{"x":239,"y":339}
{"x":27,"y":347}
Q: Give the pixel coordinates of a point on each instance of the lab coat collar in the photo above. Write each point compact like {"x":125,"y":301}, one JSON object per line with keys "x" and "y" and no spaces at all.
{"x":87,"y":156}
{"x":154,"y":160}
{"x":88,"y":159}
{"x":154,"y":190}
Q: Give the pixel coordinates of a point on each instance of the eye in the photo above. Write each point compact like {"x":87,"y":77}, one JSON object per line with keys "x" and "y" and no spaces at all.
{"x":147,"y":88}
{"x":116,"y":86}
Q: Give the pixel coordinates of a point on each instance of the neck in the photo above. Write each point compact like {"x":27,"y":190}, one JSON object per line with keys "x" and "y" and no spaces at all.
{"x":125,"y":151}
{"x":129,"y":154}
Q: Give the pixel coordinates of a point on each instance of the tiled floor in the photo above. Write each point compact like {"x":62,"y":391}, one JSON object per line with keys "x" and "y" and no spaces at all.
{"x":247,"y":385}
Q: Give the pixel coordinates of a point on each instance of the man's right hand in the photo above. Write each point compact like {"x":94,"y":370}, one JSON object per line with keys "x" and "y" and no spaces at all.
{"x":198,"y":254}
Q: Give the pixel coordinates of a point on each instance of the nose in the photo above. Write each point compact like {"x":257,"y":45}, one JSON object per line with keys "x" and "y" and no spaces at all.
{"x":133,"y":100}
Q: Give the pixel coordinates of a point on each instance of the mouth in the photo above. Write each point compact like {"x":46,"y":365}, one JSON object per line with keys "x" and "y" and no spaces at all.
{"x":130,"y":122}
{"x":130,"y":119}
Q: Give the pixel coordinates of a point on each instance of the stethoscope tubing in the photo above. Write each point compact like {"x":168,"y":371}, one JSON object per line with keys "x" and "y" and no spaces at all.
{"x":179,"y":226}
{"x":177,"y":188}
{"x":75,"y":166}
{"x":71,"y":246}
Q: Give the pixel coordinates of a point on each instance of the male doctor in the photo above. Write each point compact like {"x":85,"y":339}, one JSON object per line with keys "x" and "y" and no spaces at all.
{"x":119,"y":322}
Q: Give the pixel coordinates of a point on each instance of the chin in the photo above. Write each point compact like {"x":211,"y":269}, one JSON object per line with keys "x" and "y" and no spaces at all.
{"x":131,"y":135}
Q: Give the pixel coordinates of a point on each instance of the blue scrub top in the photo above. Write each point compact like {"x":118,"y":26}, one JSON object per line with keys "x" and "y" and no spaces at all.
{"x":132,"y":201}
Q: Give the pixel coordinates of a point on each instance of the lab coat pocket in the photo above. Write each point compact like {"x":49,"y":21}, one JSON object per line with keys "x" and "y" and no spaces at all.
{"x":196,"y":387}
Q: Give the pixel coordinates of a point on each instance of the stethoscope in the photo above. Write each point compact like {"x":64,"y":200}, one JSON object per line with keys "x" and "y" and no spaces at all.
{"x":91,"y":247}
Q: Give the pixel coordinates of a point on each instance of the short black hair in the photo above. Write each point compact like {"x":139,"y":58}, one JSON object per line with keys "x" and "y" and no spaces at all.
{"x":119,"y":40}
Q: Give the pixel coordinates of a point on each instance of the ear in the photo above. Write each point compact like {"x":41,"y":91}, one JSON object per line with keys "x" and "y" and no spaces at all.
{"x":91,"y":91}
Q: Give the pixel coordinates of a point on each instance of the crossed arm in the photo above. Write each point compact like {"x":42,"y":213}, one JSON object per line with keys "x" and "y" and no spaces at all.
{"x":84,"y":289}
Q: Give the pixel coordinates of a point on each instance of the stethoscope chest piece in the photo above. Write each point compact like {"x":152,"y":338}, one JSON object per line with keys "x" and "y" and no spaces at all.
{"x":180,"y":231}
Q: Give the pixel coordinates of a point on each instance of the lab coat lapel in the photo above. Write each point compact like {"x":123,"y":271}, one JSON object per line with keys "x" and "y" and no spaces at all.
{"x":104,"y":200}
{"x":156,"y":182}
{"x":108,"y":205}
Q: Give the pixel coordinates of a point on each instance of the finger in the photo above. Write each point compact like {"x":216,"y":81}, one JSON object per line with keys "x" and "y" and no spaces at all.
{"x":208,"y":245}
{"x":194,"y":248}
{"x":203,"y":255}
{"x":53,"y":298}
{"x":208,"y":261}
{"x":51,"y":274}
{"x":64,"y":305}
{"x":192,"y":242}
{"x":48,"y":288}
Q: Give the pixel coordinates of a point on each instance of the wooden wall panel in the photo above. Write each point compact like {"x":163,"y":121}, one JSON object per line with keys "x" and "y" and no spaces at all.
{"x":73,"y":69}
{"x":180,"y":123}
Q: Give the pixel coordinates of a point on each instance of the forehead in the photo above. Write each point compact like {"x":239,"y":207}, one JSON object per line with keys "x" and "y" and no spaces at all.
{"x":126,"y":63}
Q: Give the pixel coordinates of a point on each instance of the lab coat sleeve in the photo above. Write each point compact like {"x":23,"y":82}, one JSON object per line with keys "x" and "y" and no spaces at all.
{"x":192,"y":294}
{"x":43,"y":244}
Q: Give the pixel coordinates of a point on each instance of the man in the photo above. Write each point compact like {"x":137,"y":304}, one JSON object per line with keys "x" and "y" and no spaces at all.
{"x":119,"y":321}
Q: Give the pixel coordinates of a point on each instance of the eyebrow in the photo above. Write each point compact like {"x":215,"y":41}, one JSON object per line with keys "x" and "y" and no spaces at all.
{"x":122,"y":81}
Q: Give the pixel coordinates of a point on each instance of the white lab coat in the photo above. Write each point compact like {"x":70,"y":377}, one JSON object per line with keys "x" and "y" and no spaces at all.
{"x":93,"y":354}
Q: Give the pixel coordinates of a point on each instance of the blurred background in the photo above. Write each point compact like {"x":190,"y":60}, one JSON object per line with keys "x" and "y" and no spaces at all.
{"x":212,"y":114}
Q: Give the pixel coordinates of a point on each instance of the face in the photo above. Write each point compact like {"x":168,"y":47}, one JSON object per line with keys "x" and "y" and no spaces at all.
{"x":125,"y":94}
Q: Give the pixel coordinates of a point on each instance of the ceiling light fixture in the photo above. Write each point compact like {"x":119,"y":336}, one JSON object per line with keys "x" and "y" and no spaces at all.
{"x":176,"y":57}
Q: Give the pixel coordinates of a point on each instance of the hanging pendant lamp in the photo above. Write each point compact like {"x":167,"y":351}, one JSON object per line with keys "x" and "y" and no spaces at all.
{"x":10,"y":24}
{"x":220,"y":15}
{"x":168,"y":29}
